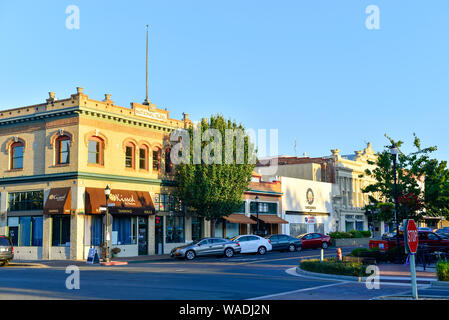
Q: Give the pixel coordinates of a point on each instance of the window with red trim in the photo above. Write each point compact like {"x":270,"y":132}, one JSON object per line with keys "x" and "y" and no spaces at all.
{"x":168,"y":163}
{"x":62,"y":144}
{"x":143,"y":155}
{"x":156,"y":159}
{"x":17,"y":150}
{"x":129,"y":155}
{"x":95,"y":151}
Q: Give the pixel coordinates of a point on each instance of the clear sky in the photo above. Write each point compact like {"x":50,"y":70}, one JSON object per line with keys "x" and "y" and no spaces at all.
{"x":309,"y":68}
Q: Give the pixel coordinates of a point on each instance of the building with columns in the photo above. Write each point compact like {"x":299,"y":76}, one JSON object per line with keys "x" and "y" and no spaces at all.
{"x":57,"y":157}
{"x":343,"y":172}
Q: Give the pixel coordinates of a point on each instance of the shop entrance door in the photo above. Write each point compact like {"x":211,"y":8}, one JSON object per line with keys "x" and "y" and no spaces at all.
{"x":143,"y":236}
{"x":159,"y":234}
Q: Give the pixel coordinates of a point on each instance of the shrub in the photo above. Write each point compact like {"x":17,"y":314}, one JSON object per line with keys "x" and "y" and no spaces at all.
{"x":339,"y":235}
{"x":443,"y":270}
{"x":357,"y":252}
{"x":332,"y":266}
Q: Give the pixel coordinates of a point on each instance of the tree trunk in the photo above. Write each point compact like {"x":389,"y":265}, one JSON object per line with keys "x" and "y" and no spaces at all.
{"x":212,"y":227}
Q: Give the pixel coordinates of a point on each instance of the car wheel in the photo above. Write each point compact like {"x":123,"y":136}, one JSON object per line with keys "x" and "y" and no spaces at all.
{"x":229,"y":253}
{"x":291,"y":248}
{"x":324,"y":245}
{"x":190,"y":255}
{"x":262,"y":250}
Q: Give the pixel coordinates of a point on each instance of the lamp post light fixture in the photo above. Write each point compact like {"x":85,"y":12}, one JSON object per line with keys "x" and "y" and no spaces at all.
{"x":257,"y":213}
{"x":107,"y":192}
{"x":394,"y":152}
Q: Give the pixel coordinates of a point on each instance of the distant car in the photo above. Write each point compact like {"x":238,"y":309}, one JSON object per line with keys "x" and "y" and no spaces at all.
{"x":205,"y":247}
{"x":281,"y":242}
{"x":315,"y":240}
{"x":443,"y":232}
{"x":425,"y":229}
{"x":251,"y":243}
{"x":6,"y":251}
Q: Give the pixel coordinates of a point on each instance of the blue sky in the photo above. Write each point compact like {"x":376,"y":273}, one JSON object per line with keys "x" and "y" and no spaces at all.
{"x":309,"y":68}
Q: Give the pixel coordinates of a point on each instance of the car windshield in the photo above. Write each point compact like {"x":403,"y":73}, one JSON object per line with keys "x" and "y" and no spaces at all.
{"x":235,"y":238}
{"x":302,"y":235}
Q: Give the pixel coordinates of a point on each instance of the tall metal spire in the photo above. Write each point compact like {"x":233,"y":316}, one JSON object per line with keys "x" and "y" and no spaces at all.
{"x":147,"y":101}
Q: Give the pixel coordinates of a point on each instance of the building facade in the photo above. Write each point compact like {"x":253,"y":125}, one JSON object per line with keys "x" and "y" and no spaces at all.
{"x":307,"y":206}
{"x":56,"y":160}
{"x":344,"y":173}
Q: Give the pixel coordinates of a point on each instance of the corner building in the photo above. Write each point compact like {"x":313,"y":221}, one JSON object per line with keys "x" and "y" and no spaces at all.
{"x":56,"y":159}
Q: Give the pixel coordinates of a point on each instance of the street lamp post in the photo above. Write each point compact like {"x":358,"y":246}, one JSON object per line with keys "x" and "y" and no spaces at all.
{"x":107,"y":192}
{"x":257,"y":213}
{"x":394,"y":151}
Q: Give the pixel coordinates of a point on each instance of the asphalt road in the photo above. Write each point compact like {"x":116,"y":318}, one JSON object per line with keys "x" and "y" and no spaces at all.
{"x":242,"y":277}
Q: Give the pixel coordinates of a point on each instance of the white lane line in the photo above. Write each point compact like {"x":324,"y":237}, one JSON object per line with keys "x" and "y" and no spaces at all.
{"x":296,"y":291}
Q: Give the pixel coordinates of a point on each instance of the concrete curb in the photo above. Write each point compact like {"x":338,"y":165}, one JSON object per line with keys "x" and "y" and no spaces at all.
{"x":330,"y":276}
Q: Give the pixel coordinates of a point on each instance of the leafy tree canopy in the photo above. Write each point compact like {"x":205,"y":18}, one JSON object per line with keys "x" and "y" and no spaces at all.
{"x":422,"y":184}
{"x":215,"y":190}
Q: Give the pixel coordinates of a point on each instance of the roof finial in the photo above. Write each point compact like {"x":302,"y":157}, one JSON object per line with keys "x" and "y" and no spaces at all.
{"x":147,"y":101}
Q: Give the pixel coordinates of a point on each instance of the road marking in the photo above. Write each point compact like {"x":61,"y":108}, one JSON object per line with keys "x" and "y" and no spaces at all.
{"x":299,"y":290}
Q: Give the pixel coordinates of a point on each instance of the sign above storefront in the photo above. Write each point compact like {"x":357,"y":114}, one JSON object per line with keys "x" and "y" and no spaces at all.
{"x":154,"y":115}
{"x":58,"y":201}
{"x":310,"y":220}
{"x":120,"y":202}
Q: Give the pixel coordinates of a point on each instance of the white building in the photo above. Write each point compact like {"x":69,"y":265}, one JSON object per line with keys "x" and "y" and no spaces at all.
{"x":307,"y":206}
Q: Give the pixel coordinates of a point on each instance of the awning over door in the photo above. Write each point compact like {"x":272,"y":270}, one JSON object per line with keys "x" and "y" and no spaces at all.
{"x":124,"y":202}
{"x":270,"y":218}
{"x":58,"y":201}
{"x":239,"y":218}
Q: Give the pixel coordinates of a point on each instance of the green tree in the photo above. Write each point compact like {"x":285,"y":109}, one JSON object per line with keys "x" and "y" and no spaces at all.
{"x":437,"y":188}
{"x":411,"y":171}
{"x":214,"y":190}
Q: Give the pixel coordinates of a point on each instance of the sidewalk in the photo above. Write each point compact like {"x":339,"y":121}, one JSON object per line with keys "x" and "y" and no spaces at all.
{"x":401,"y":270}
{"x":65,"y":263}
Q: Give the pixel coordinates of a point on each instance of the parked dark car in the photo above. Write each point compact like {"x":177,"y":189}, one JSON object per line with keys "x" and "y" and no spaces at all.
{"x":205,"y":247}
{"x":315,"y":240}
{"x":283,"y":242}
{"x":6,"y":251}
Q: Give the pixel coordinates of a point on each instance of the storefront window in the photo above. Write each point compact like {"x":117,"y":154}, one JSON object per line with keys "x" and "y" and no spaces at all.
{"x":125,"y":229}
{"x":167,"y":202}
{"x":174,"y":229}
{"x":26,"y":231}
{"x":264,"y":207}
{"x":26,"y":201}
{"x":218,"y":228}
{"x":359,"y":225}
{"x":319,"y":227}
{"x":232,"y":230}
{"x":349,"y":225}
{"x":197,"y":228}
{"x":297,"y":228}
{"x":96,"y":230}
{"x":61,"y":231}
{"x":242,"y":208}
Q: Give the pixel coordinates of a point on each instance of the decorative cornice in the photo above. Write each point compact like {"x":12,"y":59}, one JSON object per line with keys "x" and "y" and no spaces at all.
{"x":83,"y":175}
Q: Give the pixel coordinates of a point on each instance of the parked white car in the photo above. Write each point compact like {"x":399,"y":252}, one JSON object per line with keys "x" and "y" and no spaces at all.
{"x":252,"y":243}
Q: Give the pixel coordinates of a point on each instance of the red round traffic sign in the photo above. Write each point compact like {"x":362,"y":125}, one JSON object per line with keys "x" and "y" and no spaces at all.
{"x":412,"y":236}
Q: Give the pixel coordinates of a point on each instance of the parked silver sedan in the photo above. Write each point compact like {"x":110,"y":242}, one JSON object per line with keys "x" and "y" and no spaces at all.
{"x":207,"y":246}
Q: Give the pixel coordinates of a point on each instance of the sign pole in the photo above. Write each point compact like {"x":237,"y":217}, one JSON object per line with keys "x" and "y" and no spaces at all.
{"x":411,"y":246}
{"x":413,"y":272}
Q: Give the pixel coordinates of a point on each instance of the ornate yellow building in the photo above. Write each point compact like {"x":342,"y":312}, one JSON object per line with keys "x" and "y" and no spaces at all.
{"x":56,"y":160}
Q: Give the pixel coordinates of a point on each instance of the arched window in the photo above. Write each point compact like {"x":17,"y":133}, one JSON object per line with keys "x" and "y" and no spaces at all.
{"x":95,"y":151}
{"x":62,"y":145}
{"x":143,"y":158}
{"x":130,"y":155}
{"x":168,"y":163}
{"x":17,"y":149}
{"x":156,"y":159}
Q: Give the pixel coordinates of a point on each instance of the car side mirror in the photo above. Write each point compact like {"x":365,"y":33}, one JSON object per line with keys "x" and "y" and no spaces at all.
{"x":199,"y":244}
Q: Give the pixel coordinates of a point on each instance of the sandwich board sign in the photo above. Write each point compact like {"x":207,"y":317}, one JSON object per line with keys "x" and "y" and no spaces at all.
{"x":92,"y":256}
